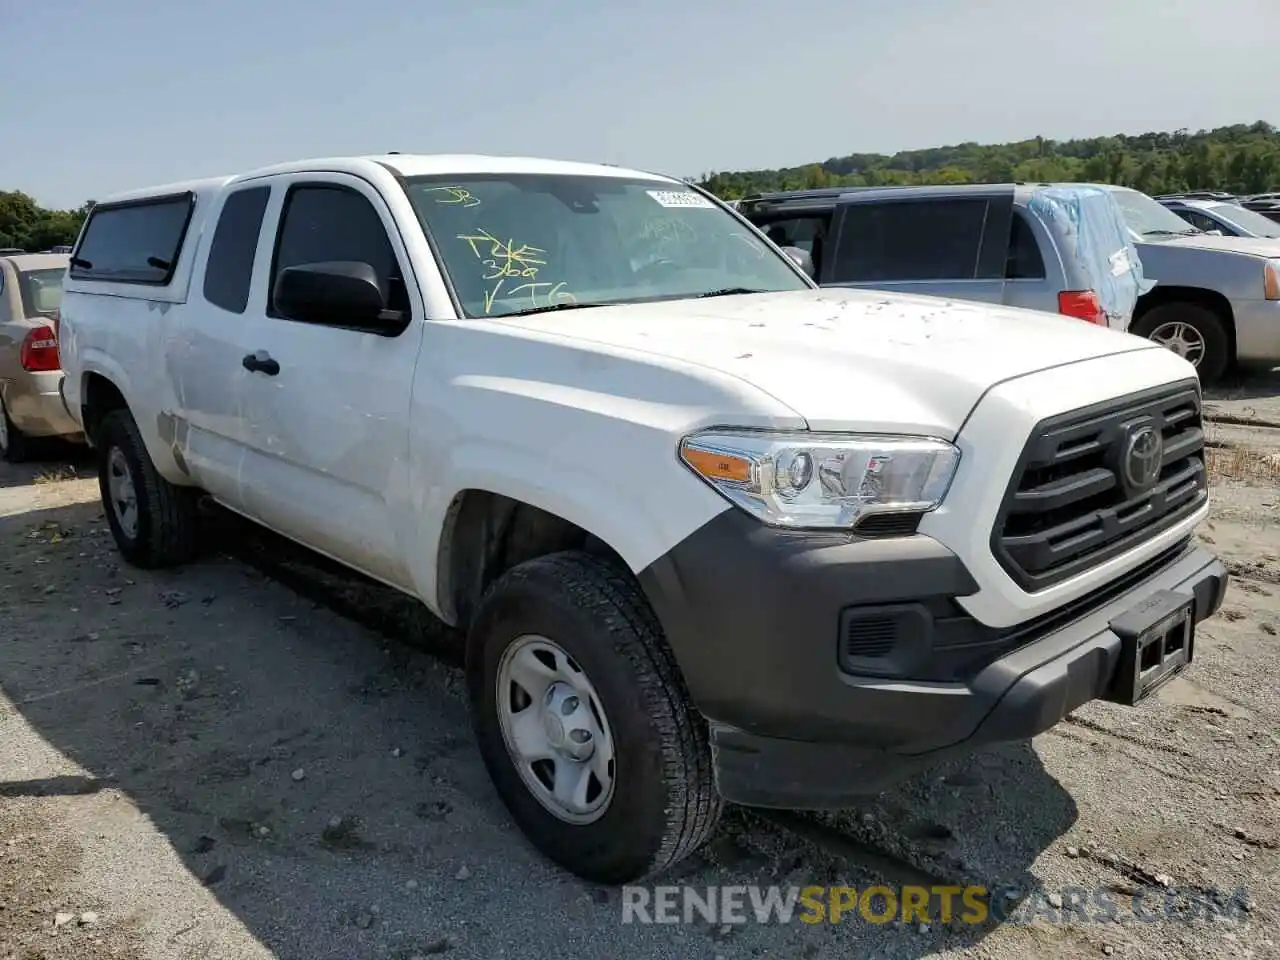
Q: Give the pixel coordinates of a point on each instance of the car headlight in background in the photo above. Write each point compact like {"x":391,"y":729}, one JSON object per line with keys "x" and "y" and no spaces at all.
{"x":1271,"y":279}
{"x":822,"y":481}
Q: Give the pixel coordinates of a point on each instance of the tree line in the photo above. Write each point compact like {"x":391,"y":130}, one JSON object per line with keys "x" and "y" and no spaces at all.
{"x":1241,"y":159}
{"x":28,"y":226}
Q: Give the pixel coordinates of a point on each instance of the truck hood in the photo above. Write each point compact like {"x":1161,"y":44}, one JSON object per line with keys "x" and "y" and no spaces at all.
{"x":1248,"y":246}
{"x":849,"y":359}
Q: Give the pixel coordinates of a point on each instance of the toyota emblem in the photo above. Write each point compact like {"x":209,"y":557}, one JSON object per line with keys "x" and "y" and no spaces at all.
{"x":1143,"y":458}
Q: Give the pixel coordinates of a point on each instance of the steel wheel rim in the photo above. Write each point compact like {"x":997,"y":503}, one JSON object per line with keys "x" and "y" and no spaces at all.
{"x":555,"y":730}
{"x":122,"y":493}
{"x":1182,"y":338}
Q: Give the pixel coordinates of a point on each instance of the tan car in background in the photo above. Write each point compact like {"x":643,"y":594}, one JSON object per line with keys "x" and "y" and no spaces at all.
{"x":31,"y":407}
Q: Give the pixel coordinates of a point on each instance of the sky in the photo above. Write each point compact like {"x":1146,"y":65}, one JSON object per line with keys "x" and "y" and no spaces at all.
{"x":109,"y":95}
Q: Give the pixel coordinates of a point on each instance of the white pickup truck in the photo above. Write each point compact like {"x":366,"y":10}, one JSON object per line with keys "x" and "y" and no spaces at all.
{"x":713,"y":534}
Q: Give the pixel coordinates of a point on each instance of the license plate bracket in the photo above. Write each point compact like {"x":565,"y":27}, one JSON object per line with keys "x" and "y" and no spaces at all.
{"x":1157,"y":642}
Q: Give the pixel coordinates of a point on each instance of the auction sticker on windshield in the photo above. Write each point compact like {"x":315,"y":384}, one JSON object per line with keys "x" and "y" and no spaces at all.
{"x":680,"y":198}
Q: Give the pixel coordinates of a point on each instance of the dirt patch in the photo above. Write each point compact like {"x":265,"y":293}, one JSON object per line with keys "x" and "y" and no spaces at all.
{"x":42,"y":916}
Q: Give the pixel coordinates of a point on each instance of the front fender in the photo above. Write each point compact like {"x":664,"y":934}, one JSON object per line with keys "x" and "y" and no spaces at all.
{"x":584,"y":432}
{"x":639,"y":518}
{"x":1222,"y":272}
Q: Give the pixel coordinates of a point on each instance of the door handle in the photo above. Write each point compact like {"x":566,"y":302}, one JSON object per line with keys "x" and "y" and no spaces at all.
{"x":261,"y":362}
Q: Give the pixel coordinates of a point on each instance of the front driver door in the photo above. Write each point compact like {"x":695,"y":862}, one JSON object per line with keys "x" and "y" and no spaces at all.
{"x":328,"y":407}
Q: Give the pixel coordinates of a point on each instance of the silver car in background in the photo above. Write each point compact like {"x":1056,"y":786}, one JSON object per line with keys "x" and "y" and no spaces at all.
{"x":31,"y":407}
{"x":1216,"y":300}
{"x":1225,"y":217}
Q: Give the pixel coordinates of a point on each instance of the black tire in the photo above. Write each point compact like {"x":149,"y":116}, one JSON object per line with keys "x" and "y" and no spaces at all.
{"x":664,"y":805}
{"x":1217,"y":343}
{"x":17,"y":447}
{"x":168,"y":521}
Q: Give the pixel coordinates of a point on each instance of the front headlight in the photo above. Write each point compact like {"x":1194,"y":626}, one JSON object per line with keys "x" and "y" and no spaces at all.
{"x":822,"y":481}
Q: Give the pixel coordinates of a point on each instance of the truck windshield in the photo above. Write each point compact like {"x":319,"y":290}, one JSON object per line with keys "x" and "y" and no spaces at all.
{"x":41,"y":291}
{"x":1149,"y":219}
{"x":512,"y":243}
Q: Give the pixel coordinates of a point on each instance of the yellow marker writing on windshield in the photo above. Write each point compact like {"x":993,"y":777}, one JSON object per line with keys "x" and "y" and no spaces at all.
{"x":507,"y":259}
{"x":460,"y":195}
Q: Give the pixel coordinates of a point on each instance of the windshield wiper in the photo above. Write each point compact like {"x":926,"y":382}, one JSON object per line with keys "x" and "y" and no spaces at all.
{"x":551,"y":306}
{"x":1172,"y":233}
{"x":728,"y":292}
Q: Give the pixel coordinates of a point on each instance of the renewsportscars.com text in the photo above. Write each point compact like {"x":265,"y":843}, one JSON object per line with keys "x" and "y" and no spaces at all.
{"x":879,"y":904}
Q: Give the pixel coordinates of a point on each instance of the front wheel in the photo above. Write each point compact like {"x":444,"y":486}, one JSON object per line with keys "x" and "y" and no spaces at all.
{"x":1195,"y":333}
{"x":154,"y":523}
{"x":584,"y":723}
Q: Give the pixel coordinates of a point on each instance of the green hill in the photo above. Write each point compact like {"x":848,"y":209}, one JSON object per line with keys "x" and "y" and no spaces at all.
{"x":1240,"y":159}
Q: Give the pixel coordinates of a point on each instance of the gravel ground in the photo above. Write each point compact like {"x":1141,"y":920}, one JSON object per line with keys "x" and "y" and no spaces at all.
{"x":260,"y":757}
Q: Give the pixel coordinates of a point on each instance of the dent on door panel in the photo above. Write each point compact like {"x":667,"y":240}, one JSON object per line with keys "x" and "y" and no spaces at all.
{"x":208,"y":429}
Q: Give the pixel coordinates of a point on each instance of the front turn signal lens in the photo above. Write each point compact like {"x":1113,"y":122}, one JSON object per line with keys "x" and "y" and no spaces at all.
{"x":1271,"y":280}
{"x":716,"y":465}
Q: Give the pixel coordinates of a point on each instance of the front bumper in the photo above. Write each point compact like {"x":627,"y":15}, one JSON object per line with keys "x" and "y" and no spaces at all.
{"x":796,"y":723}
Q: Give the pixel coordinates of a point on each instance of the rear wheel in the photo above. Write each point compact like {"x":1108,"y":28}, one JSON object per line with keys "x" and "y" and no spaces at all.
{"x":584,"y":723}
{"x":1195,"y":333}
{"x":154,"y":523}
{"x":15,"y":446}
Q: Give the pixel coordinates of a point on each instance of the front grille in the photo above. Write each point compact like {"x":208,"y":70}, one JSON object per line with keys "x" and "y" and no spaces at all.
{"x":1072,"y":504}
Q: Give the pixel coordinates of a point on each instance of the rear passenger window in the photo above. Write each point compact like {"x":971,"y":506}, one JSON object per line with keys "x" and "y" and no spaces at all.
{"x":910,"y":240}
{"x":1025,"y":261}
{"x":134,"y":242}
{"x":235,"y":244}
{"x":323,"y":223}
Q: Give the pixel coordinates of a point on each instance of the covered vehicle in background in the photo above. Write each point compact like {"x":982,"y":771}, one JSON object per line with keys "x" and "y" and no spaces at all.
{"x":1060,"y":249}
{"x":31,"y":406}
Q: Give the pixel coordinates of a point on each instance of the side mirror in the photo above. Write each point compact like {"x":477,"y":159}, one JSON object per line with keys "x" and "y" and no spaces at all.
{"x":801,"y":258}
{"x":1215,"y":233}
{"x":340,"y":293}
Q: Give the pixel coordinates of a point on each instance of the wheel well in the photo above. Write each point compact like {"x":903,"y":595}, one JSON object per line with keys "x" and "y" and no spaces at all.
{"x":486,"y":534}
{"x":99,"y":397}
{"x":1161,"y":295}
